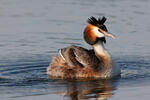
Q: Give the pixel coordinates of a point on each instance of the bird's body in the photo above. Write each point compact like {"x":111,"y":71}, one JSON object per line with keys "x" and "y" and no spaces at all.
{"x":78,"y":62}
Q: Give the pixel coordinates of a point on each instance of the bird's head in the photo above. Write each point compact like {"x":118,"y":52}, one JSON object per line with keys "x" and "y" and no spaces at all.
{"x":96,"y":31}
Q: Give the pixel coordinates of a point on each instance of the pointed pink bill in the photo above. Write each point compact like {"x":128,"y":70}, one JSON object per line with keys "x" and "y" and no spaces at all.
{"x":107,"y":34}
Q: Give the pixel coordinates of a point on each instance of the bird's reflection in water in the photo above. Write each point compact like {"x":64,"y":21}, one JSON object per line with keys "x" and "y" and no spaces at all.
{"x":85,"y":89}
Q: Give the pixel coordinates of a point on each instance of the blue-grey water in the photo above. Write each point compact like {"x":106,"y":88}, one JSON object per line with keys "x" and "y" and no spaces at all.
{"x":32,"y":31}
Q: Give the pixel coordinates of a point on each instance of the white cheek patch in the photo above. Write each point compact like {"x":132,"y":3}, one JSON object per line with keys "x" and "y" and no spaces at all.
{"x":97,"y":33}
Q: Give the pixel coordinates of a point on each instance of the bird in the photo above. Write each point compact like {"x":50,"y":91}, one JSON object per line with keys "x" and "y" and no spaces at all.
{"x":76,"y":62}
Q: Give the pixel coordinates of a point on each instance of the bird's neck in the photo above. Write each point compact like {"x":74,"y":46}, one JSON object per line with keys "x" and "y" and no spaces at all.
{"x":102,"y":54}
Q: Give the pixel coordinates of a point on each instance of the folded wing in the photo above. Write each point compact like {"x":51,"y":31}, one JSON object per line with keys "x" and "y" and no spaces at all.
{"x":76,"y":56}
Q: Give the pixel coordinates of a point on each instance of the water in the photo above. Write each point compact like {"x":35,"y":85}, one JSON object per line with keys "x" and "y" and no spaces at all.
{"x":32,"y":31}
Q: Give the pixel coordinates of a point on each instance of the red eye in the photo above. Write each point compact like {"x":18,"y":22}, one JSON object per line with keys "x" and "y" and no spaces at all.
{"x":100,"y":30}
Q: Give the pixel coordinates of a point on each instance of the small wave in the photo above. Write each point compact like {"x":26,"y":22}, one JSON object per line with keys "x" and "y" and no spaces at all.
{"x":135,"y":69}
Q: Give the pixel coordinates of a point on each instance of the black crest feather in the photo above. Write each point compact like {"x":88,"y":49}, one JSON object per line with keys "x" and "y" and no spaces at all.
{"x":102,"y":21}
{"x":98,"y":22}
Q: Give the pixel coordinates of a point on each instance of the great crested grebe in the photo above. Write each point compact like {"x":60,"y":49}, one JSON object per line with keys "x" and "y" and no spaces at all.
{"x":78,"y":62}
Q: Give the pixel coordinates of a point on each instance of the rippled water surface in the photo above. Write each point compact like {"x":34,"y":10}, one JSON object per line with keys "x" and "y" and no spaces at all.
{"x":32,"y":31}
